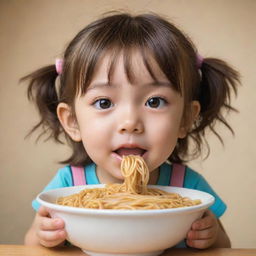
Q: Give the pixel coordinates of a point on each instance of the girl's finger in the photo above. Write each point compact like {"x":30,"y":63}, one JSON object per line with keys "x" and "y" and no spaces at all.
{"x":200,"y":244}
{"x":209,"y":233}
{"x":43,"y":212}
{"x":207,"y":221}
{"x":51,"y":224}
{"x":51,"y":243}
{"x":52,"y":237}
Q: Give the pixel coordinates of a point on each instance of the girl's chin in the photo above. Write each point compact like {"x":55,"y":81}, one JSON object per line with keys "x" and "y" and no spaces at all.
{"x":117,"y":176}
{"x":113,"y":174}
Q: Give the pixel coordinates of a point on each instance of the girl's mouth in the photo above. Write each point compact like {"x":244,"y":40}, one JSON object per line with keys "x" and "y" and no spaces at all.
{"x":130,"y":151}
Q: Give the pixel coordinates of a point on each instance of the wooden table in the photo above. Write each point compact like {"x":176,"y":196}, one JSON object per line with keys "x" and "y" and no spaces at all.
{"x":22,"y":250}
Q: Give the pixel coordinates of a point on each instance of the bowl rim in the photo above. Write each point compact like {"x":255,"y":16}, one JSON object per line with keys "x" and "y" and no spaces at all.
{"x":76,"y":210}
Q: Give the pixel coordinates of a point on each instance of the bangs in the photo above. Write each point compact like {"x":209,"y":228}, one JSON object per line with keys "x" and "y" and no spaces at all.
{"x":129,"y":56}
{"x":146,"y":34}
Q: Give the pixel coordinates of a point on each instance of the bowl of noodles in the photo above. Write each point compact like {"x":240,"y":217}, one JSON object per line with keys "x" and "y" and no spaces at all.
{"x":131,"y":218}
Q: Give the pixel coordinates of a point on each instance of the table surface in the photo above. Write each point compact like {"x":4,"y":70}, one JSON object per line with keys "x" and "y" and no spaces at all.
{"x":22,"y":250}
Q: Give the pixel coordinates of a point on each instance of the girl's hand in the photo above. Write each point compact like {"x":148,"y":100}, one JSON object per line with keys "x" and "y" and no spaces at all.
{"x":204,"y":232}
{"x":50,"y":231}
{"x":45,"y":230}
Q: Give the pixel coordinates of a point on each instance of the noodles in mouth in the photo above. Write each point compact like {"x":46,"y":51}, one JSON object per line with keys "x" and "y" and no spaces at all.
{"x":132,"y":194}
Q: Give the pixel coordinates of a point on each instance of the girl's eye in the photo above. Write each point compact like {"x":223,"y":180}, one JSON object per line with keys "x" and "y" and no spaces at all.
{"x":156,"y":102}
{"x":103,"y":104}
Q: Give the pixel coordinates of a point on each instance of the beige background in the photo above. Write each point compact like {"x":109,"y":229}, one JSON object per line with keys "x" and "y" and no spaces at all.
{"x":34,"y":33}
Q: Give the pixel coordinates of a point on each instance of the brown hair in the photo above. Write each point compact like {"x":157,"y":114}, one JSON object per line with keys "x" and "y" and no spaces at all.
{"x":150,"y":34}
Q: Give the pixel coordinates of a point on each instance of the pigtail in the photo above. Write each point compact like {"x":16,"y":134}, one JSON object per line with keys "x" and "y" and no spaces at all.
{"x":41,"y":90}
{"x":218,"y":81}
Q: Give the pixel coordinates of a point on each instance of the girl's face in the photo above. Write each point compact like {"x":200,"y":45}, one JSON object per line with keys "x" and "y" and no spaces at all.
{"x":143,"y":118}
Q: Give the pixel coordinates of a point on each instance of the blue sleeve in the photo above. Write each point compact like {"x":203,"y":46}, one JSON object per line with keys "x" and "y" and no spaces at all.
{"x":63,"y":178}
{"x":196,"y":181}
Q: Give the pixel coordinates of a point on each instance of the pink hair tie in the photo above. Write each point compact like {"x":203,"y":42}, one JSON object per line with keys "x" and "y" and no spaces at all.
{"x":199,"y":61}
{"x":59,"y":66}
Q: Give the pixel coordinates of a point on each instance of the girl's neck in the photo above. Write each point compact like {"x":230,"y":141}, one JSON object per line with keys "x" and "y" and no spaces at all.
{"x":106,"y":178}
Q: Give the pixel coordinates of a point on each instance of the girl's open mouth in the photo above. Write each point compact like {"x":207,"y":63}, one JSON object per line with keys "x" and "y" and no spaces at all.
{"x":130,"y":151}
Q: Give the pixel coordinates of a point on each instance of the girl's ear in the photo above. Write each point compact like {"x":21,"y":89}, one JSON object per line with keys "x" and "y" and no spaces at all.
{"x":193,"y":115}
{"x":68,"y":121}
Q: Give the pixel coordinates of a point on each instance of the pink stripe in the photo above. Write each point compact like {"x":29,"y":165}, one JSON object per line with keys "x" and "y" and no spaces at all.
{"x":178,"y":173}
{"x":78,"y":175}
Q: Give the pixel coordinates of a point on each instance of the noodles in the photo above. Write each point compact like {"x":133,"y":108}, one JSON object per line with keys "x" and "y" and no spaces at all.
{"x":133,"y":194}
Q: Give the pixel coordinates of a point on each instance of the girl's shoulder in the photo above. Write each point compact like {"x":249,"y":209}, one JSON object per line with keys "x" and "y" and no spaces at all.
{"x":63,"y":177}
{"x":168,"y":172}
{"x":192,"y":178}
{"x":195,"y":180}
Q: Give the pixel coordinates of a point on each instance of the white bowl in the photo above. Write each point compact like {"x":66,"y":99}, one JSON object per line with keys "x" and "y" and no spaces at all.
{"x":125,"y":232}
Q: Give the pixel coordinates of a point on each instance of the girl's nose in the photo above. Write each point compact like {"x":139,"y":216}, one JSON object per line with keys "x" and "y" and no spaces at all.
{"x":131,"y":122}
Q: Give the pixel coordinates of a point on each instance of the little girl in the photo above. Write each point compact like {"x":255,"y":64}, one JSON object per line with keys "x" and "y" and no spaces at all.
{"x":132,"y":85}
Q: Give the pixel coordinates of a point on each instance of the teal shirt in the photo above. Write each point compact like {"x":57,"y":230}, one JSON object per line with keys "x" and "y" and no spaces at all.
{"x":192,"y":180}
